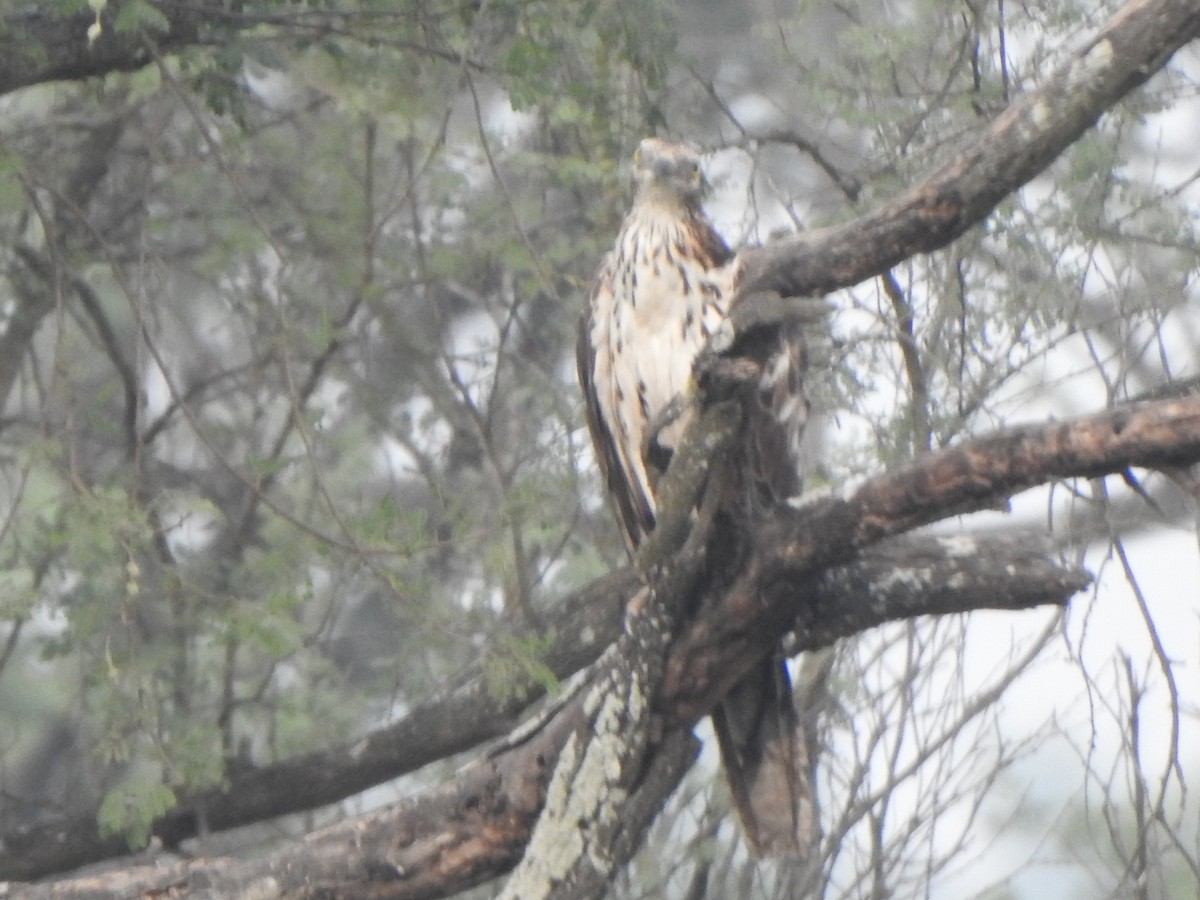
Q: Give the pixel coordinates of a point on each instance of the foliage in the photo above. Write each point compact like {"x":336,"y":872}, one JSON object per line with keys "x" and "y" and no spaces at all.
{"x":298,"y":434}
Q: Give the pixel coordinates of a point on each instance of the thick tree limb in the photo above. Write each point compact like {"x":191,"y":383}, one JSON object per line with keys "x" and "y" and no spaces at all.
{"x":475,"y":827}
{"x":583,"y":834}
{"x":571,"y":848}
{"x":959,"y":479}
{"x":1015,"y":574}
{"x":40,"y":43}
{"x":1016,"y":147}
{"x":475,"y":710}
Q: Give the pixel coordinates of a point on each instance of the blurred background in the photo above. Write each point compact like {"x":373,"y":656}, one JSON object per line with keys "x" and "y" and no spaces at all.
{"x":289,"y":424}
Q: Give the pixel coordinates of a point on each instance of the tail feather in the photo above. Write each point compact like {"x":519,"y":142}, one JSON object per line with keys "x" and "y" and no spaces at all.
{"x":766,"y":762}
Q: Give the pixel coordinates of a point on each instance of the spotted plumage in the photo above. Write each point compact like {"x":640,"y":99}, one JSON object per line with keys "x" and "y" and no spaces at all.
{"x":658,"y":297}
{"x":660,"y":294}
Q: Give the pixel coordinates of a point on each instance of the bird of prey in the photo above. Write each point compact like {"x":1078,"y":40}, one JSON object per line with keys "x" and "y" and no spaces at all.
{"x":660,"y":294}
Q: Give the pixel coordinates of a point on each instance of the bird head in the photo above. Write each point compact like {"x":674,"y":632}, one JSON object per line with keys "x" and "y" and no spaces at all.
{"x":666,"y":172}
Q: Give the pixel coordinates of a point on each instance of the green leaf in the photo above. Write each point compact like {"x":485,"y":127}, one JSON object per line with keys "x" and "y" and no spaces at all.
{"x":518,"y":662}
{"x":138,"y":15}
{"x":130,"y":810}
{"x":17,"y":593}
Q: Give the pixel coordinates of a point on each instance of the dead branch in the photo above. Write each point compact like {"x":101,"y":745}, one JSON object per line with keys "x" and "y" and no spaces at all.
{"x":726,"y":638}
{"x":1021,"y":142}
{"x":473,"y":711}
{"x":476,"y":826}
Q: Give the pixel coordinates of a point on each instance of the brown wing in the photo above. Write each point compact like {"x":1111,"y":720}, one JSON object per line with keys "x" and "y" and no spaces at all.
{"x":764,"y":754}
{"x":776,"y":418}
{"x":756,"y":725}
{"x":634,"y":517}
{"x":766,"y":761}
{"x":762,"y":748}
{"x":704,"y":243}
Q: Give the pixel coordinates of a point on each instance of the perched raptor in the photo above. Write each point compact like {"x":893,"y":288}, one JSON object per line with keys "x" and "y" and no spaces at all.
{"x":658,"y":297}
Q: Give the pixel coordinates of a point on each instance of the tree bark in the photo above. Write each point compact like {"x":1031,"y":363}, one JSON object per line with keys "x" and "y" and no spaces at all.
{"x":467,"y":714}
{"x":39,"y":42}
{"x":476,"y":826}
{"x":1021,"y":142}
{"x":1012,"y":573}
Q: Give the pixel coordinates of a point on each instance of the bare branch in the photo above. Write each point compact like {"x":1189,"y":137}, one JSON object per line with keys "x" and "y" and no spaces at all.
{"x":475,"y":827}
{"x":1017,"y":146}
{"x":726,"y":639}
{"x":477,"y":710}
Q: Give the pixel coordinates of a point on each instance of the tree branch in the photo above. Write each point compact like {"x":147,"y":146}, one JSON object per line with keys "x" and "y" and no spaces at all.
{"x":32,"y":302}
{"x":39,"y":43}
{"x":1015,"y":574}
{"x":475,"y":710}
{"x":475,"y":826}
{"x":733,"y":632}
{"x":1016,"y":147}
